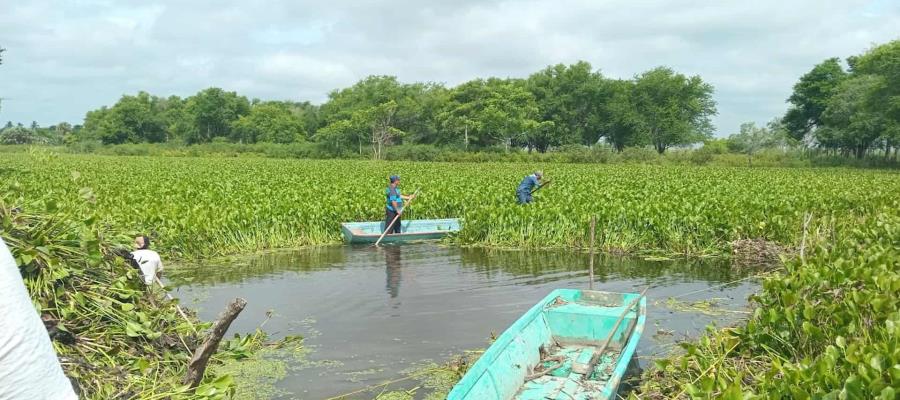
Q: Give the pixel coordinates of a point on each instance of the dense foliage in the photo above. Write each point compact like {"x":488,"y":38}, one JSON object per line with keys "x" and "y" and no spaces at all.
{"x":827,"y":327}
{"x":115,"y":339}
{"x":560,"y":105}
{"x":852,"y":111}
{"x":201,"y":206}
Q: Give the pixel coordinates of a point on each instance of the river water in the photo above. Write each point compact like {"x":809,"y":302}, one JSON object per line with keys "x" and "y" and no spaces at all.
{"x":368,"y":314}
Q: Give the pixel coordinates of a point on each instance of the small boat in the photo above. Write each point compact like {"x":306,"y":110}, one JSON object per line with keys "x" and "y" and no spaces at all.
{"x":417,"y":229}
{"x":574,"y":344}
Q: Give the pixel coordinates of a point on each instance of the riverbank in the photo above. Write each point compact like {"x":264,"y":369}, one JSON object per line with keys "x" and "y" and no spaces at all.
{"x":115,"y":338}
{"x":826,"y":327}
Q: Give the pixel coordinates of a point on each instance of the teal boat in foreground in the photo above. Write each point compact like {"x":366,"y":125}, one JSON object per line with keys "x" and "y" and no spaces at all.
{"x":559,"y":350}
{"x":417,"y":229}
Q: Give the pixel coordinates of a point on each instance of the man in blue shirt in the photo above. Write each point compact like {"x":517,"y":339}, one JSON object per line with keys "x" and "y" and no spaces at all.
{"x":394,"y":206}
{"x":523,"y":192}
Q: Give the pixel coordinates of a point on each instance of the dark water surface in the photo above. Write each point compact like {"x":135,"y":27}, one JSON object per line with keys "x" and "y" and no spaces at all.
{"x":368,"y":314}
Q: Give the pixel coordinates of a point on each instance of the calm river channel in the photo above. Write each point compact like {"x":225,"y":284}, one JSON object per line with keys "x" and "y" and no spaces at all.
{"x":370,"y":314}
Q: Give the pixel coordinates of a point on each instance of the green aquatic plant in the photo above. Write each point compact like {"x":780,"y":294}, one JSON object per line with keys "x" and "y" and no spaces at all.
{"x":116,"y":338}
{"x":826,"y":327}
{"x":199,"y":207}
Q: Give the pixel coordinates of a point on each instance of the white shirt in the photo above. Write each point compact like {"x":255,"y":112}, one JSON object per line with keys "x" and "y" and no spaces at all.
{"x":149,"y":262}
{"x":29,"y":369}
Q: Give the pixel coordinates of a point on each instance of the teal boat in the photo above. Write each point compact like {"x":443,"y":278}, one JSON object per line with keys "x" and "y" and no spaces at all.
{"x":559,"y":350}
{"x":417,"y":229}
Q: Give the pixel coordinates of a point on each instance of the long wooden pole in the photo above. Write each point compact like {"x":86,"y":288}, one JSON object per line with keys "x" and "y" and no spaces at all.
{"x":599,"y":352}
{"x":593,"y":225}
{"x":388,"y":227}
{"x":177,"y":307}
{"x":539,"y":187}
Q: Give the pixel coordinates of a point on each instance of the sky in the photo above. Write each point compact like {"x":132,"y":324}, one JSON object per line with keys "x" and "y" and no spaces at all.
{"x":64,"y":58}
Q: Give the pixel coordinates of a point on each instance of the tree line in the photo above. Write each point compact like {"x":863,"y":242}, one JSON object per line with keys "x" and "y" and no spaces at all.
{"x":559,"y":105}
{"x":851,"y":111}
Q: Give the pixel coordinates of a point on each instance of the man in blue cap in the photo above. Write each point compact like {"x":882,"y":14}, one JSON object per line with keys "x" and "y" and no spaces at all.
{"x":523,"y":192}
{"x":394,"y":207}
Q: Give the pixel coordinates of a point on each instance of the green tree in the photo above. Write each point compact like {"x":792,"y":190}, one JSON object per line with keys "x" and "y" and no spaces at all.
{"x":810,"y":97}
{"x":425,"y":102}
{"x":20,"y":135}
{"x":309,"y":114}
{"x":621,"y":123}
{"x":272,"y":122}
{"x":853,"y":116}
{"x":178,"y":122}
{"x":674,"y":109}
{"x":213,"y":111}
{"x":568,"y":96}
{"x":751,"y":140}
{"x":884,"y":61}
{"x":492,"y":112}
{"x":378,"y":110}
{"x":338,"y":136}
{"x":132,"y":119}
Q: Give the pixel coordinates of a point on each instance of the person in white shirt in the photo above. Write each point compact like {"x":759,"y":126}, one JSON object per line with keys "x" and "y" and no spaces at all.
{"x":147,"y":260}
{"x":29,"y":368}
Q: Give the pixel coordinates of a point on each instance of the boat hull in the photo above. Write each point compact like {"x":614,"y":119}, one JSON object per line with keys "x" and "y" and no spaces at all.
{"x":547,"y":353}
{"x":412,"y":230}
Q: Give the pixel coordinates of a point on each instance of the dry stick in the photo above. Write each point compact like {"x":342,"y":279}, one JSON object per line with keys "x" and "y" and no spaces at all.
{"x":197,"y":366}
{"x":806,"y":218}
{"x":593,"y":224}
{"x":559,"y":359}
{"x":388,"y":227}
{"x":599,"y":352}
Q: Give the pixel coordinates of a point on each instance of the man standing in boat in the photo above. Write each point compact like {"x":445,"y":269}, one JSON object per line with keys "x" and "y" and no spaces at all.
{"x":528,"y":185}
{"x":394,"y":209}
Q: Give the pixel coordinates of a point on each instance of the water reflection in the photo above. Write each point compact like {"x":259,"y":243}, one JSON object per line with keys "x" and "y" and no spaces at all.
{"x":527,"y":267}
{"x":538,"y":263}
{"x":393,"y":269}
{"x":239,"y":269}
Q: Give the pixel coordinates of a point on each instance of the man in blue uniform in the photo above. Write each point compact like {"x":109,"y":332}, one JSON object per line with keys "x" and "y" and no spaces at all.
{"x":394,"y":206}
{"x":523,"y":192}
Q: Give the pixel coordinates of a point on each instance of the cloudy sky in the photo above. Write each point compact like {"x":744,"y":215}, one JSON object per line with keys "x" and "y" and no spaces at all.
{"x":64,"y":58}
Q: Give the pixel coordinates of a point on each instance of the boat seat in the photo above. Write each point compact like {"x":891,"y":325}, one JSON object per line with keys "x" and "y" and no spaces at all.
{"x":578,"y":323}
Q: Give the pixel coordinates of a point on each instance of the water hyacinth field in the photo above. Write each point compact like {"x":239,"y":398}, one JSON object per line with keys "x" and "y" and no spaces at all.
{"x":823,"y":324}
{"x":206,"y":206}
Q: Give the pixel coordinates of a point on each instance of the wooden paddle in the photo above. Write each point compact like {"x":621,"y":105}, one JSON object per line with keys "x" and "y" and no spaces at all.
{"x":388,"y":227}
{"x":595,"y":358}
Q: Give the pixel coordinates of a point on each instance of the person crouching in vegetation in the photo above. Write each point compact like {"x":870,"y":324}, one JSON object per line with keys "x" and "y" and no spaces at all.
{"x":523,"y":192}
{"x":394,"y":208}
{"x":146,"y":260}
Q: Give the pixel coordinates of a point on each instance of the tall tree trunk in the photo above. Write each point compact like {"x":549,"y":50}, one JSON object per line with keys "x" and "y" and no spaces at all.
{"x":467,"y":137}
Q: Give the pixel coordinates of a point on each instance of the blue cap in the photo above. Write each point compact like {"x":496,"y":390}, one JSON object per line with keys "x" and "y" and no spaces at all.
{"x":395,"y":178}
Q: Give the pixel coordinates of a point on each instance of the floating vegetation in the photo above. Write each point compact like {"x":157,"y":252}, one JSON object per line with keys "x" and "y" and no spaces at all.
{"x":200,"y":207}
{"x":256,"y":366}
{"x":710,"y":306}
